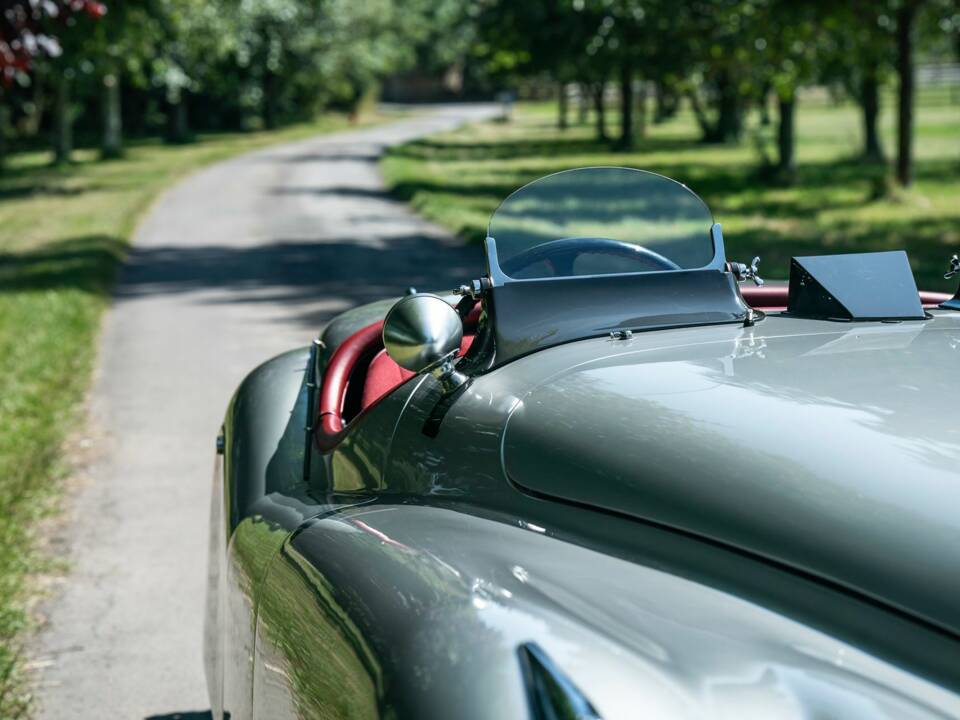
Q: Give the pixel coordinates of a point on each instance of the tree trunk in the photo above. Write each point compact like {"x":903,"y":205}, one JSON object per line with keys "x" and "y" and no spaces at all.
{"x":665,"y":104}
{"x":699,"y":114}
{"x":32,"y":121}
{"x":870,"y":104}
{"x":729,"y":119}
{"x":905,"y":21}
{"x":641,"y":123}
{"x":562,"y":105}
{"x":4,"y":127}
{"x":583,"y":103}
{"x":765,"y":104}
{"x":626,"y":105}
{"x":729,"y":122}
{"x":62,"y":121}
{"x":179,"y":125}
{"x":112,"y":145}
{"x":598,"y":108}
{"x":268,"y":114}
{"x":786,"y":145}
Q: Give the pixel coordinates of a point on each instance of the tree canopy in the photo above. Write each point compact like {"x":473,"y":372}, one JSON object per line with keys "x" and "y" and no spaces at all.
{"x":139,"y":66}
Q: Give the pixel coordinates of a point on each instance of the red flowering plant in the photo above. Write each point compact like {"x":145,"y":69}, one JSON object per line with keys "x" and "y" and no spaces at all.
{"x":28,"y":29}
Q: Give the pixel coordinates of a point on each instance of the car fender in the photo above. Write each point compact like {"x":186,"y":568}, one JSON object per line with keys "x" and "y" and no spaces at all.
{"x":400,"y":610}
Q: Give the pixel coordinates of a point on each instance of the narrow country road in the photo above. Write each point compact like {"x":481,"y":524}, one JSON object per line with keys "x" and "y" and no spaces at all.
{"x":235,"y":264}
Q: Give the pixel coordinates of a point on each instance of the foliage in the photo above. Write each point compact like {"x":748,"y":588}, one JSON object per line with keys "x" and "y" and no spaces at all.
{"x":31,"y":28}
{"x":188,"y":65}
{"x":724,"y":56}
{"x":260,"y":63}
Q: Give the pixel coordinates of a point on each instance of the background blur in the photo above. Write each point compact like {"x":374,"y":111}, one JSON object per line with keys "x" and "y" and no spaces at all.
{"x":81,"y":72}
{"x":806,"y":126}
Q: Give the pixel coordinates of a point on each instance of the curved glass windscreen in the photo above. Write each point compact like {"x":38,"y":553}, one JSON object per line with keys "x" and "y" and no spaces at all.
{"x":600,"y":221}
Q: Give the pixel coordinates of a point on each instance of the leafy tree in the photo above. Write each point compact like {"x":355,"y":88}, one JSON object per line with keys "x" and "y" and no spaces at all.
{"x":68,"y":69}
{"x":600,"y":59}
{"x":362,"y":43}
{"x":910,"y":17}
{"x":619,"y":43}
{"x":537,"y":39}
{"x":720,"y":38}
{"x":121,"y":47}
{"x":196,"y":48}
{"x":857,"y":57}
{"x":906,"y":16}
{"x":36,"y":31}
{"x":788,"y":38}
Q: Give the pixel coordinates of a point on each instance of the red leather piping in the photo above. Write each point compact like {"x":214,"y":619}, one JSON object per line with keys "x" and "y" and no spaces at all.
{"x":769,"y":297}
{"x":774,"y":297}
{"x":932,"y":299}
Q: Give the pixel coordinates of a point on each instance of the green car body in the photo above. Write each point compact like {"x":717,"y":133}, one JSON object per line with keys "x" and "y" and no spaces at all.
{"x":733,"y":520}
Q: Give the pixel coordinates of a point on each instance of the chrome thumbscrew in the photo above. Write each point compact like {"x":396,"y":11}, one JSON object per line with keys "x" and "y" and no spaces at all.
{"x":954,"y":268}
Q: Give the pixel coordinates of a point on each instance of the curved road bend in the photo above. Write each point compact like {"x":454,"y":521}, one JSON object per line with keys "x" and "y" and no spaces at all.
{"x":237,"y":263}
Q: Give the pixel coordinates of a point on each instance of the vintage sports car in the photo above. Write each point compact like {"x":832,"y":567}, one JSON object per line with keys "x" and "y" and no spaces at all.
{"x":602,"y":480}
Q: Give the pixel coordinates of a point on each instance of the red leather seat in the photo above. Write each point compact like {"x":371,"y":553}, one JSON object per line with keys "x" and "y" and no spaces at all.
{"x":384,"y":374}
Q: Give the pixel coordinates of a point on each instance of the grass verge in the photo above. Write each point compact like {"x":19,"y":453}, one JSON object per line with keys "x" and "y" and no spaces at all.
{"x":63,"y":232}
{"x":458,"y":178}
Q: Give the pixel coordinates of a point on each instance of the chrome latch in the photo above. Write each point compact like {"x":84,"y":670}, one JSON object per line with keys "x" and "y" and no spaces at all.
{"x":744,"y":272}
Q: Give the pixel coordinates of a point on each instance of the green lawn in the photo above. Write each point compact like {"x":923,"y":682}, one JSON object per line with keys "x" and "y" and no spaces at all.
{"x":459,"y":178}
{"x":62,"y":233}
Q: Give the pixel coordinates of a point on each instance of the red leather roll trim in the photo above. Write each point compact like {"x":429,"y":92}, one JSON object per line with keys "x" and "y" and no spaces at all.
{"x":336,"y":377}
{"x":774,"y":297}
{"x":932,"y":299}
{"x":767,"y":297}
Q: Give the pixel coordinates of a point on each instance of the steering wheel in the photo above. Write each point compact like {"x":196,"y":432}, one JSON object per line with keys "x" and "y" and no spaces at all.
{"x":560,"y":255}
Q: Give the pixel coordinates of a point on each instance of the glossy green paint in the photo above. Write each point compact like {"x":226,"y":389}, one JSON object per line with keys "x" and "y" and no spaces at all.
{"x":417,"y":611}
{"x":831,"y":447}
{"x":400,"y":578}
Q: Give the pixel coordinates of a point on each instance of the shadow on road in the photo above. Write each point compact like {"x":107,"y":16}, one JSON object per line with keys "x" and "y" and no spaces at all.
{"x":315,"y":280}
{"x":292,"y":273}
{"x":187,"y":715}
{"x":345,"y":192}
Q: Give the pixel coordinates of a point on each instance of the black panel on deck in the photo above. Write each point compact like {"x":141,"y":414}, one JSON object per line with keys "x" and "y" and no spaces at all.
{"x":855,"y":286}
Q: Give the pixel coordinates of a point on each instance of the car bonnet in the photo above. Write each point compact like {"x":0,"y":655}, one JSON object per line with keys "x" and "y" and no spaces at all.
{"x":830,"y":447}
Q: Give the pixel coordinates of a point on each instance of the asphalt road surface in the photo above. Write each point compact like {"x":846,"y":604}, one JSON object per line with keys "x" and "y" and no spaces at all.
{"x":235,"y":264}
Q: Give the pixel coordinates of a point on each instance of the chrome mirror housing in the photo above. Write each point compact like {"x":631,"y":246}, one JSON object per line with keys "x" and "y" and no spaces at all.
{"x":421,"y":331}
